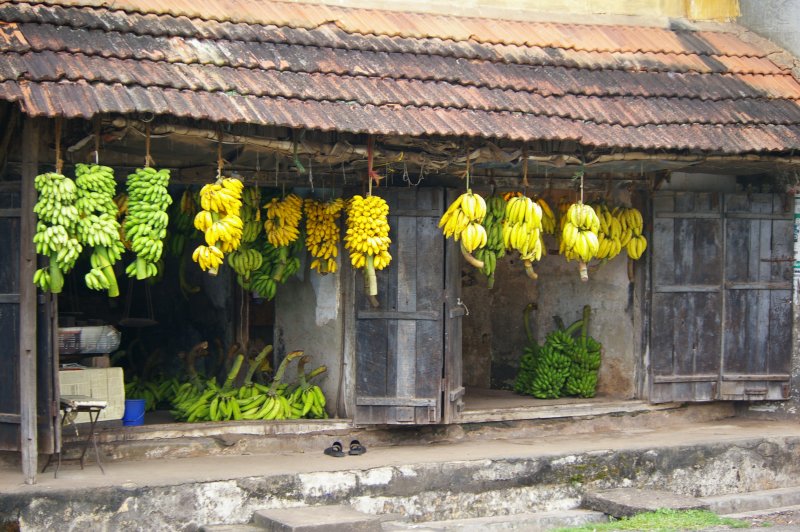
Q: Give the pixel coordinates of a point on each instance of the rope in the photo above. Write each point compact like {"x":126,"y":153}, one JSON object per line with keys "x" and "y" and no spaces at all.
{"x":147,"y":158}
{"x":220,"y":160}
{"x":97,"y":141}
{"x":59,"y":162}
{"x":524,"y":170}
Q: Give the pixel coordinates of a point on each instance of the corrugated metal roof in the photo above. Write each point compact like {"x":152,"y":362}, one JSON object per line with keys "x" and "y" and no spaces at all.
{"x":368,"y":71}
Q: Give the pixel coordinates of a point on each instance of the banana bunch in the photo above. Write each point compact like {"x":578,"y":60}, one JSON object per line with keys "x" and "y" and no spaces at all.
{"x":522,"y":231}
{"x":495,"y":248}
{"x":632,"y":225}
{"x":98,"y":226}
{"x":610,"y":235}
{"x":367,"y":232}
{"x":219,"y":221}
{"x":244,"y":262}
{"x":153,"y":392}
{"x":283,"y":220}
{"x":463,"y":221}
{"x":310,"y":400}
{"x":251,"y":214}
{"x":56,"y":230}
{"x":181,"y":219}
{"x":367,"y":237}
{"x":585,"y":361}
{"x":322,"y":233}
{"x":146,"y":222}
{"x":552,"y":371}
{"x":579,"y":239}
{"x":278,"y":264}
{"x":548,"y":217}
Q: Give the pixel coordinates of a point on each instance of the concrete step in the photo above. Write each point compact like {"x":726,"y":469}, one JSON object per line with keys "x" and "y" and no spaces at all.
{"x":736,"y":503}
{"x":336,"y":518}
{"x":765,"y":512}
{"x":626,"y":502}
{"x":528,"y":522}
{"x":231,"y":528}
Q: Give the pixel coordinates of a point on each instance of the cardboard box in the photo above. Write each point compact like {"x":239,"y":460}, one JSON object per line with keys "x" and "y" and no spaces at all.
{"x":107,"y":384}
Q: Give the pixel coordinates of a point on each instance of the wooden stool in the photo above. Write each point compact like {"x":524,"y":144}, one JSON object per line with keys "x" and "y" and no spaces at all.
{"x":71,"y":406}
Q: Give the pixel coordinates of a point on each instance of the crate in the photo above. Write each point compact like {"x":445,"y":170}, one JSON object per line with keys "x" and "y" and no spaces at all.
{"x":100,"y":339}
{"x":107,"y":384}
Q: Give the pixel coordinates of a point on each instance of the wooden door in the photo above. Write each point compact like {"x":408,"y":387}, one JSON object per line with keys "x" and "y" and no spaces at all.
{"x":403,"y":346}
{"x":45,"y":379}
{"x":721,"y":308}
{"x":9,"y":318}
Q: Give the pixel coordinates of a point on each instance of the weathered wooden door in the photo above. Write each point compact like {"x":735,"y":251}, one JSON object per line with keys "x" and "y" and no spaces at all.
{"x":10,"y":283}
{"x":721,"y":321}
{"x":405,"y":348}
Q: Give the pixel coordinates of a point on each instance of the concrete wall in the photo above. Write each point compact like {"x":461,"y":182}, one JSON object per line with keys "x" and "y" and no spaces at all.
{"x":494,"y":336}
{"x":308,"y":314}
{"x":777,"y":20}
{"x":534,"y":9}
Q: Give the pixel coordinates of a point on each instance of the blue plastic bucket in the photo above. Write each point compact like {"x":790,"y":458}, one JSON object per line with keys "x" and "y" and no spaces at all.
{"x":134,"y":412}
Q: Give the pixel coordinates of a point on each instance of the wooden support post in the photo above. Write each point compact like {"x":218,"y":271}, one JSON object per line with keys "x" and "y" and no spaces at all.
{"x":31,"y":138}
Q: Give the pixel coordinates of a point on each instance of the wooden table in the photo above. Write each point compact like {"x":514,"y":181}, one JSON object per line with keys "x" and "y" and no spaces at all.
{"x":71,"y":406}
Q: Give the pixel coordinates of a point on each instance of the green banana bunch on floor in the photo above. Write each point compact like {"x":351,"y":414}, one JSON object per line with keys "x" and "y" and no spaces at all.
{"x":495,"y":248}
{"x":56,"y":231}
{"x":582,"y":380}
{"x":153,"y":392}
{"x":98,"y":226}
{"x":552,"y":371}
{"x":146,"y":223}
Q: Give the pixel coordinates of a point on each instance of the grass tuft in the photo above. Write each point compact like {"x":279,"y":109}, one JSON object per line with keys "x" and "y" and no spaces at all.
{"x":662,"y":521}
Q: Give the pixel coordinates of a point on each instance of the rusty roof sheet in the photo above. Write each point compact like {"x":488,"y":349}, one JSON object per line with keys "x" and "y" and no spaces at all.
{"x":368,"y":71}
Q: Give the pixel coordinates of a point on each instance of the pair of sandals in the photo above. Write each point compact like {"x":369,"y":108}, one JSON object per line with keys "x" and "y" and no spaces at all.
{"x":337,"y":450}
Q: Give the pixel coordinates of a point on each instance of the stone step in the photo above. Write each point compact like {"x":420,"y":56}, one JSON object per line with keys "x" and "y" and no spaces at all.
{"x":626,"y":502}
{"x":736,"y":503}
{"x":528,"y":522}
{"x":765,"y":512}
{"x":336,"y":518}
{"x":231,"y":528}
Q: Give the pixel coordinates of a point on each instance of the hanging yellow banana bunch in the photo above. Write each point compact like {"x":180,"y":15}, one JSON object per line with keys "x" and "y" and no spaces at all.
{"x":463,"y":221}
{"x":220,"y":221}
{"x":322,"y":233}
{"x":632,"y":225}
{"x":610,"y":235}
{"x":522,"y":231}
{"x":283,"y":220}
{"x":367,"y":237}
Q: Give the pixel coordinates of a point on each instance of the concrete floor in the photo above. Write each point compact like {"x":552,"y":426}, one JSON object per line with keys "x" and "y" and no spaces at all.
{"x":162,"y":472}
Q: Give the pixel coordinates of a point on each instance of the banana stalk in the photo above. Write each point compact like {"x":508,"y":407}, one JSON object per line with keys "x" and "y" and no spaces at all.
{"x":108,"y":270}
{"x":529,"y":270}
{"x":276,"y":381}
{"x":56,"y":277}
{"x":471,"y":258}
{"x":233,"y":373}
{"x":254,"y":364}
{"x":371,"y":281}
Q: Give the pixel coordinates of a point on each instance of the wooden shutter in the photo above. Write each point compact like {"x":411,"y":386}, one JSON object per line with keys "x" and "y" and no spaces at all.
{"x":721,"y":311}
{"x":9,"y":319}
{"x":400,"y":345}
{"x":757,"y":341}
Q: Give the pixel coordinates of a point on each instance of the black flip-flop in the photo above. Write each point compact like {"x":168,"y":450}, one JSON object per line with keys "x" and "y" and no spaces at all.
{"x":356,"y":448}
{"x":335,"y":450}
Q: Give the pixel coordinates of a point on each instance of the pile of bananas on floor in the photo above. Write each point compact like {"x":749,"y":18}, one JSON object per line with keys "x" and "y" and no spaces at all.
{"x":566,"y":365}
{"x":239,"y":397}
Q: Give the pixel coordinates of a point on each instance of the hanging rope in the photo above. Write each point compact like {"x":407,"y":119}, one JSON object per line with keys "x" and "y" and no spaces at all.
{"x":524,"y":170}
{"x":59,"y":162}
{"x":147,"y":158}
{"x":466,"y":175}
{"x":371,"y":174}
{"x":97,"y":141}
{"x":220,"y":160}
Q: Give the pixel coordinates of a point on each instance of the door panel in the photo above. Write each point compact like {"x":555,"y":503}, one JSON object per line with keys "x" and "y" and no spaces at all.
{"x":721,"y":318}
{"x":400,"y":346}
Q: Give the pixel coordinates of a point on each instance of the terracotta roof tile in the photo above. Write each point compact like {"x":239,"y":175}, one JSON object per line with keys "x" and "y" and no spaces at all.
{"x":362,"y":70}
